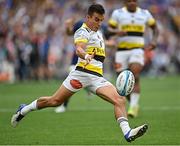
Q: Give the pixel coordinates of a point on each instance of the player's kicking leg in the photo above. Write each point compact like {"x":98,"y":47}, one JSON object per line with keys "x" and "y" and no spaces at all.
{"x":110,"y":94}
{"x":136,"y":132}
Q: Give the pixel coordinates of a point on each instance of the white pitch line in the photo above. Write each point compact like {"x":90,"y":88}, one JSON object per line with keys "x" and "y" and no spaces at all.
{"x":161,"y":108}
{"x":91,"y":145}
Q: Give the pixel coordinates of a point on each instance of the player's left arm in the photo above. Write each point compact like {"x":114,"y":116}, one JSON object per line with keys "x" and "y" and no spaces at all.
{"x":81,"y":38}
{"x":151,"y":22}
{"x":152,"y":45}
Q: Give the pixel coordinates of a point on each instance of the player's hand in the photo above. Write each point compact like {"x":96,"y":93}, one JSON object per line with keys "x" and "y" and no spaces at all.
{"x":69,"y":22}
{"x":69,"y":26}
{"x":88,"y":58}
{"x":151,"y":46}
{"x":148,"y":56}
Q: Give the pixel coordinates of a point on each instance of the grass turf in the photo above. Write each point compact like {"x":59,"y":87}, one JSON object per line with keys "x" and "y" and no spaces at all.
{"x":90,"y":121}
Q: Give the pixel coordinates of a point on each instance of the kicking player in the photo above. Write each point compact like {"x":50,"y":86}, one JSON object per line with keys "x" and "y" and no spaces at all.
{"x":90,"y":49}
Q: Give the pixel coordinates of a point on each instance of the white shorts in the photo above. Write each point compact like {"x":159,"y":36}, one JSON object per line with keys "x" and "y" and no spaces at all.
{"x":129,"y":56}
{"x":77,"y":80}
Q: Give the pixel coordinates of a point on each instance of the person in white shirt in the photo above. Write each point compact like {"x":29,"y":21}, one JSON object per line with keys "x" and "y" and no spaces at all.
{"x":129,"y":24}
{"x":90,"y":49}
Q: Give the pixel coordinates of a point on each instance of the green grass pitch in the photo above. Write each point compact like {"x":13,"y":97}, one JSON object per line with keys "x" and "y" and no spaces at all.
{"x":90,"y":121}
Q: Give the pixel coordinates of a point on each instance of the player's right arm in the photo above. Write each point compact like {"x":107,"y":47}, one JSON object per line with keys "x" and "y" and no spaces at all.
{"x":113,"y":25}
{"x":80,"y":52}
{"x":81,"y":38}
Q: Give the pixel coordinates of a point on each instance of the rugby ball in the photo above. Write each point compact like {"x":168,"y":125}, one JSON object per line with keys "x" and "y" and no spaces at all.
{"x":125,"y":83}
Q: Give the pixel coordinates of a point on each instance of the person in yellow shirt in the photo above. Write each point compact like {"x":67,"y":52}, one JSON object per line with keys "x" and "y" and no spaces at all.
{"x":90,"y":49}
{"x":129,"y":24}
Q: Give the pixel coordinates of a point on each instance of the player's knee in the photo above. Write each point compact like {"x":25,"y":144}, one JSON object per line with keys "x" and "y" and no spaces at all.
{"x":120,"y":101}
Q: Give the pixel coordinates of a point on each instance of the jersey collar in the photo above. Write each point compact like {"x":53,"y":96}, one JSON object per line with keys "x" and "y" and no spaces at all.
{"x":125,"y":9}
{"x":86,"y":27}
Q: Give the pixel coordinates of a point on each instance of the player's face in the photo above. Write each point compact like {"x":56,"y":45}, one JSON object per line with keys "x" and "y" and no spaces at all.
{"x":131,"y":5}
{"x":94,"y":21}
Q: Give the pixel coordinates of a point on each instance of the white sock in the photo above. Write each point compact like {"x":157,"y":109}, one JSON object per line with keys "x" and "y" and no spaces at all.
{"x":134,"y":99}
{"x":123,"y":123}
{"x":30,"y":107}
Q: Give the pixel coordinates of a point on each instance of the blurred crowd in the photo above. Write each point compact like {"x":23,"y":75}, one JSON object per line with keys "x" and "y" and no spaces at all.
{"x":34,"y":43}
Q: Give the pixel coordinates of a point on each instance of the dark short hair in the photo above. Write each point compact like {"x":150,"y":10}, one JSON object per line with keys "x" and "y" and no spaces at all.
{"x":96,"y":8}
{"x":125,"y":1}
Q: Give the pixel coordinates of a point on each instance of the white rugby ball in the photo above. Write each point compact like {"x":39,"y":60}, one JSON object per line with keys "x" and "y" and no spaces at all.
{"x":125,"y":82}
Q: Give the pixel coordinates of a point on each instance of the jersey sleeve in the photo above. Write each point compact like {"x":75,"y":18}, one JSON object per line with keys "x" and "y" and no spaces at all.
{"x":81,"y":35}
{"x":150,"y":19}
{"x":113,"y":21}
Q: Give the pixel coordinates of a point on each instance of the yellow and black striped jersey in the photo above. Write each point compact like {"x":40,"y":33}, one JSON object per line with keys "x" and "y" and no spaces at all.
{"x":94,"y":43}
{"x":134,"y":24}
